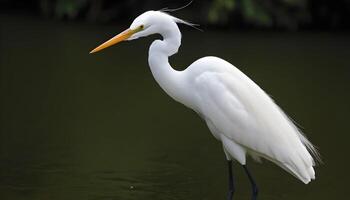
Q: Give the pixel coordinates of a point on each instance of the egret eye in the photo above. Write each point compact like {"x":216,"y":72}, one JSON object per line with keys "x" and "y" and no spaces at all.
{"x":142,"y":27}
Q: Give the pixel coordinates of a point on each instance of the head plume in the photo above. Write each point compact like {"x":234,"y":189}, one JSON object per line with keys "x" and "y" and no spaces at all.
{"x":178,"y":20}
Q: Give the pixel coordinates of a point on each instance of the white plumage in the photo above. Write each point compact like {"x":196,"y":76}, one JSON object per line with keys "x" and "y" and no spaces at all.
{"x":247,"y":121}
{"x":237,"y":111}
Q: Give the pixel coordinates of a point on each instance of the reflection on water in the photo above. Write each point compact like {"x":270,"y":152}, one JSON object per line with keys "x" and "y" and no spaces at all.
{"x":80,"y":126}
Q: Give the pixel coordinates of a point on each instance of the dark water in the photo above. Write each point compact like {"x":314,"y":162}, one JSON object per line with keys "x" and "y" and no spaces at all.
{"x":80,"y":126}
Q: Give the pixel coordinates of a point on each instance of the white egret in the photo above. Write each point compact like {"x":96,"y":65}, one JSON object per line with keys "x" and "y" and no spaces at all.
{"x":237,"y":111}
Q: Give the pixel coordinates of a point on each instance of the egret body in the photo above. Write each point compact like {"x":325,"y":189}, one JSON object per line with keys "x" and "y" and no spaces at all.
{"x":236,"y":110}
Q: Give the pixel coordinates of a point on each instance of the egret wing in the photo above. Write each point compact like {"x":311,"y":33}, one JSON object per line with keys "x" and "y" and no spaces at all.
{"x":244,"y":113}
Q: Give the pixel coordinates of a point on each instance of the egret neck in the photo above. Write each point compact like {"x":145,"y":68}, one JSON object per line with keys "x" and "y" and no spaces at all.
{"x":170,"y":80}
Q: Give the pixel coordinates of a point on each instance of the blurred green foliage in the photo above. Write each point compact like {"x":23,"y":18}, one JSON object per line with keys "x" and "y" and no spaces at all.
{"x":286,"y":14}
{"x":62,"y":8}
{"x":283,"y":13}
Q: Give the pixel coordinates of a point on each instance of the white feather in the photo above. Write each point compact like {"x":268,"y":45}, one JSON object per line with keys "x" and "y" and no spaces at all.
{"x":245,"y":114}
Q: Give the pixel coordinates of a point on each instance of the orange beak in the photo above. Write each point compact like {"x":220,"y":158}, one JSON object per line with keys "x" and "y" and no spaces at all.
{"x":116,"y":39}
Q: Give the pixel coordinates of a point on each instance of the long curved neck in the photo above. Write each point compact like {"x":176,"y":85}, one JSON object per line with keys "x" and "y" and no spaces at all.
{"x":169,"y":79}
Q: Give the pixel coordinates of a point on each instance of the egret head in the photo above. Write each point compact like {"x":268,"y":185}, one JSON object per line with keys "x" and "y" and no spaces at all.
{"x":148,"y":23}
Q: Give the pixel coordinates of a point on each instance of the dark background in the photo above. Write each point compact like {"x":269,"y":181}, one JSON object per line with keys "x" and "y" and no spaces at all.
{"x":81,"y":126}
{"x":241,"y":14}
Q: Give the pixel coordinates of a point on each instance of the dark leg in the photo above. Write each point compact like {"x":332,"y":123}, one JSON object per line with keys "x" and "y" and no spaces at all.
{"x":231,"y":186}
{"x":254,"y":187}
